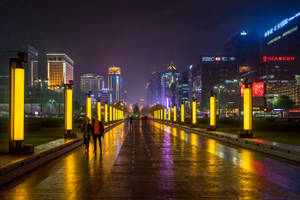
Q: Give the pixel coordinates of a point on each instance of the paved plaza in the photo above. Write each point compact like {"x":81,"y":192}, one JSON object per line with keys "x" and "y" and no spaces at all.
{"x":155,"y":161}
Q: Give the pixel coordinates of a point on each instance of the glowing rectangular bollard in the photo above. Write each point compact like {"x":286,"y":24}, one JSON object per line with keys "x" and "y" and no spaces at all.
{"x":248,"y":109}
{"x":175,"y":113}
{"x":17,"y":103}
{"x":105,"y":113}
{"x":89,"y":107}
{"x":182,"y":113}
{"x":194,"y":112}
{"x":68,"y":107}
{"x":169,"y":114}
{"x":165,"y":114}
{"x":99,"y":110}
{"x":110,"y":113}
{"x":212,"y":110}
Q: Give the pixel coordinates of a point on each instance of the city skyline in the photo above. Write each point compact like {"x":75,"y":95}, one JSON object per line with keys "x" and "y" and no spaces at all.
{"x":162,"y":33}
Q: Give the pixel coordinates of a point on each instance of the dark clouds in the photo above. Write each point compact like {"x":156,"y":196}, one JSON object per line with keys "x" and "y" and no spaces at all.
{"x":140,"y":36}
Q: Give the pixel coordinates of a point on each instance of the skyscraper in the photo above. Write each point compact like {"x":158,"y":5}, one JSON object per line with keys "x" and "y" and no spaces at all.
{"x":31,"y":68}
{"x":115,"y":83}
{"x":91,"y":82}
{"x":59,"y":70}
{"x":169,"y":81}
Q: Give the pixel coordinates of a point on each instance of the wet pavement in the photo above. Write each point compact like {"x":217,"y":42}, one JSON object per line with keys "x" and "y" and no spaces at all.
{"x":154,"y":161}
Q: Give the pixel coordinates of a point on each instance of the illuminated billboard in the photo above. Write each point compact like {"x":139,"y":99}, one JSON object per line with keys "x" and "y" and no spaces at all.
{"x":244,"y":69}
{"x":278,"y":58}
{"x":217,"y":59}
{"x":258,"y":89}
{"x":280,"y":25}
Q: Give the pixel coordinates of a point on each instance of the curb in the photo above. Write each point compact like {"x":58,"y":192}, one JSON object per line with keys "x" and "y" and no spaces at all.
{"x":289,"y":154}
{"x":10,"y":172}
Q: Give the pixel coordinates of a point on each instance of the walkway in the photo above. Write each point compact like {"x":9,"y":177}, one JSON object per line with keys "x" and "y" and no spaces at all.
{"x":154,"y":161}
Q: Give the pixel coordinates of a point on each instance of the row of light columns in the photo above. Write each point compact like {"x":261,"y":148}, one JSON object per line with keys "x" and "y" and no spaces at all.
{"x":247,"y":118}
{"x":113,"y":114}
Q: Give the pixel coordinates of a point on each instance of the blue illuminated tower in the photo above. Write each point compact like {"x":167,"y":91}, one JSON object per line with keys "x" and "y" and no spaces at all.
{"x":115,"y":83}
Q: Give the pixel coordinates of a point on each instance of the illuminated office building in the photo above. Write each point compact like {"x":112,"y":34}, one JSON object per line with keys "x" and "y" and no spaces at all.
{"x":105,"y":95}
{"x":153,"y":88}
{"x":115,"y":83}
{"x":91,"y":82}
{"x":59,"y":70}
{"x":169,"y":82}
{"x":31,"y":67}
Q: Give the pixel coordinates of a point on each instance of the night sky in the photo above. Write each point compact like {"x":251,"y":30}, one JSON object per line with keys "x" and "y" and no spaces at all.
{"x":139,"y":36}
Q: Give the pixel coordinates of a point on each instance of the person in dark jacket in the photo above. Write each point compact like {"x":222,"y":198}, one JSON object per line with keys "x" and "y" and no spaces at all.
{"x":86,"y":130}
{"x":98,"y":132}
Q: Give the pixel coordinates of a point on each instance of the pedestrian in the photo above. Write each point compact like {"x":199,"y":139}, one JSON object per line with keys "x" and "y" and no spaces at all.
{"x":86,"y":130}
{"x":98,"y":132}
{"x":130,"y":121}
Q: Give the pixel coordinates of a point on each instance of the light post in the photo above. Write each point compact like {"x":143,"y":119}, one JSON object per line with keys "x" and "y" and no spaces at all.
{"x":16,"y":104}
{"x":110,"y":113}
{"x":165,"y":114}
{"x":182,"y":113}
{"x":247,"y":119}
{"x":175,"y":113}
{"x":99,"y":110}
{"x":212,"y":112}
{"x":68,"y":110}
{"x":105,"y":113}
{"x":88,"y":112}
{"x":194,"y":113}
{"x":169,"y":114}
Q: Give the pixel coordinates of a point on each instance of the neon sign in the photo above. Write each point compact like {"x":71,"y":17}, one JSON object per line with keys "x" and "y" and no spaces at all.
{"x":217,"y":59}
{"x":278,"y":58}
{"x":280,"y":25}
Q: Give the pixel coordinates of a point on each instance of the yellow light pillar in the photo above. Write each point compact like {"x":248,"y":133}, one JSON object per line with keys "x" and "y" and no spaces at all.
{"x":110,"y":113}
{"x":182,"y":113}
{"x":99,"y":110}
{"x":169,"y":114}
{"x":114,"y":113}
{"x":68,"y":109}
{"x":165,"y":114}
{"x":105,"y":113}
{"x":212,"y":112}
{"x":194,"y":112}
{"x":16,"y":105}
{"x":175,"y":113}
{"x":247,"y":125}
{"x":88,"y":112}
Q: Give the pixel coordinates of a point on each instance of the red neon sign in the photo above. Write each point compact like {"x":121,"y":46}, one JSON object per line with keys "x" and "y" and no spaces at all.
{"x":258,"y":89}
{"x":278,"y":58}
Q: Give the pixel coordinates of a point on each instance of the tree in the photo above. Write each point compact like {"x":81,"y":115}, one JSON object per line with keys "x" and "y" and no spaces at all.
{"x":136,"y":110}
{"x":283,"y":102}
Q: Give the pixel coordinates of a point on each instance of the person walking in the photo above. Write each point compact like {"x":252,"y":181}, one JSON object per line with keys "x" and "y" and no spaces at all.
{"x":86,"y":130}
{"x":98,"y":132}
{"x":130,"y":122}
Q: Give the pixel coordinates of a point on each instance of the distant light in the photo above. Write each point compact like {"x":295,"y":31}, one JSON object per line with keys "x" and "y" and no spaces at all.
{"x":217,"y":58}
{"x":191,"y":66}
{"x":243,"y":32}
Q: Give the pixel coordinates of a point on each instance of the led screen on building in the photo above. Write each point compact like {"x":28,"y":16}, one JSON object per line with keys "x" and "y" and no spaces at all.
{"x":258,"y":89}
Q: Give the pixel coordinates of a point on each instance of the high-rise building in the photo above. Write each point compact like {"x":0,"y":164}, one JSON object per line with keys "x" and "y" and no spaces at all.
{"x":153,"y":88}
{"x":208,"y":72}
{"x":183,"y":88}
{"x":59,"y":70}
{"x":31,"y":68}
{"x":169,"y":82}
{"x":91,"y":82}
{"x":115,"y":83}
{"x":105,"y":95}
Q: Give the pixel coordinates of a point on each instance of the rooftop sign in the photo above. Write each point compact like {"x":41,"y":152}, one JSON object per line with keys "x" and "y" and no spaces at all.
{"x":217,"y":59}
{"x":281,"y":24}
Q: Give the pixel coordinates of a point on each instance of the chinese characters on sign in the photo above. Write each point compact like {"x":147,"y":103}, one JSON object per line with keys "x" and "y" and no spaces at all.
{"x":278,"y":58}
{"x":217,"y":59}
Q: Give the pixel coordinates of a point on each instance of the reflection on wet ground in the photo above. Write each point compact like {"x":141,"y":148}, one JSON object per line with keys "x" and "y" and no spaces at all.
{"x":155,"y":161}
